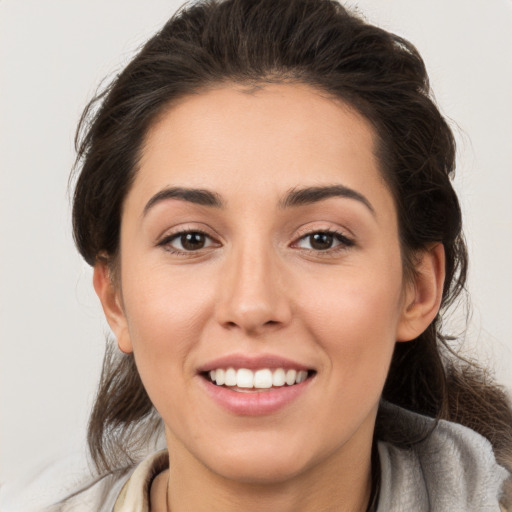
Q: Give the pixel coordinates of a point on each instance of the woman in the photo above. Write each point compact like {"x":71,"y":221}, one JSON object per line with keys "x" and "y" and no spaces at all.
{"x":264,"y":196}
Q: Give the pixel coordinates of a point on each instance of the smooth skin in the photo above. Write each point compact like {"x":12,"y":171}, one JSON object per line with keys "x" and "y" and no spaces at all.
{"x":320,"y":283}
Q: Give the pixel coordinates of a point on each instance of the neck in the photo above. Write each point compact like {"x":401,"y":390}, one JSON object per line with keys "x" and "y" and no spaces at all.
{"x":341,"y":484}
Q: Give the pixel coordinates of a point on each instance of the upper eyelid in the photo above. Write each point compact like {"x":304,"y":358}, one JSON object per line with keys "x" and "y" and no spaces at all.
{"x":167,"y":240}
{"x":346,"y":239}
{"x":300,"y":233}
{"x":177,"y":234}
{"x":342,"y":238}
{"x":171,"y":237}
{"x":307,"y":230}
{"x":176,"y":231}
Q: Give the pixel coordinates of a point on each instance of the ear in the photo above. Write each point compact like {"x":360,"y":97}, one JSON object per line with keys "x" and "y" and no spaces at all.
{"x":423,"y":295}
{"x":110,"y":298}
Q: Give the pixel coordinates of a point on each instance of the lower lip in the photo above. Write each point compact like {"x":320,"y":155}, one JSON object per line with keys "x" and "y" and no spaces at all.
{"x":255,"y":403}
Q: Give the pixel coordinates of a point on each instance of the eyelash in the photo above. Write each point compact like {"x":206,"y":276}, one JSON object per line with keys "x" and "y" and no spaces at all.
{"x":344,"y":242}
{"x":166,"y":242}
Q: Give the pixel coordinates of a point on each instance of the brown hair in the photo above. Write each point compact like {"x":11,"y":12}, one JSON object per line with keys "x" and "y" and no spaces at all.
{"x":314,"y":42}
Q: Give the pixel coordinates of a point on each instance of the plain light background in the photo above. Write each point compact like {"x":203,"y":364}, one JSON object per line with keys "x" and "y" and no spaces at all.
{"x":53,"y":54}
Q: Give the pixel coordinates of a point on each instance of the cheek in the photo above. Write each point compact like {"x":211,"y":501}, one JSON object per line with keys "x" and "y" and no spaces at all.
{"x":354,"y":319}
{"x":165,"y":313}
{"x":356,"y":333}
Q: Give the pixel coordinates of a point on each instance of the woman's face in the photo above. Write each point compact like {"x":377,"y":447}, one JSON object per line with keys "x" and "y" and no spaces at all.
{"x":258,"y":242}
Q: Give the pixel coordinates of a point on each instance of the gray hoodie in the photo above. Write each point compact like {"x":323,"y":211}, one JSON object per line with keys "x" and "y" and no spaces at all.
{"x":452,"y":469}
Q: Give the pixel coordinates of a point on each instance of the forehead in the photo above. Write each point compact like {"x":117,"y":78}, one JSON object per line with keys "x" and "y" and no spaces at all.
{"x":270,"y":138}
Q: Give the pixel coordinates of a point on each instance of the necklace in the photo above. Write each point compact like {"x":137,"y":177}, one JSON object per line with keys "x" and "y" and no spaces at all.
{"x":167,"y":494}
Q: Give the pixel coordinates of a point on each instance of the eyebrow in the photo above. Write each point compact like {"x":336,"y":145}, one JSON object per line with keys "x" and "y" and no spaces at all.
{"x":310,"y":195}
{"x":295,"y":197}
{"x":191,"y":195}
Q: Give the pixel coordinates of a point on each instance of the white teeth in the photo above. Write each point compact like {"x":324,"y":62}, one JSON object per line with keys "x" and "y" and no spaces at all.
{"x":301,"y":376}
{"x":219,"y":377}
{"x":290,"y":377}
{"x":244,"y":378}
{"x":230,"y":377}
{"x":264,"y":378}
{"x":278,"y":378}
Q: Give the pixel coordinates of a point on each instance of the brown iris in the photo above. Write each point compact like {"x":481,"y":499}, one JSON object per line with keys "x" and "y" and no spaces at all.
{"x":192,"y":241}
{"x":321,"y":241}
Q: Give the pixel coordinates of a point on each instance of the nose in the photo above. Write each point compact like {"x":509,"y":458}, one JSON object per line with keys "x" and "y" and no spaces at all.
{"x":253,"y":294}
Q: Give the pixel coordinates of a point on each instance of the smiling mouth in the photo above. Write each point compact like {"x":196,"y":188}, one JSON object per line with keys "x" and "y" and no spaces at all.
{"x":244,"y":380}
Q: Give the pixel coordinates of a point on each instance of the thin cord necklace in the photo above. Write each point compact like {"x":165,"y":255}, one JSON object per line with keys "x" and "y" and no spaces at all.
{"x":167,"y":507}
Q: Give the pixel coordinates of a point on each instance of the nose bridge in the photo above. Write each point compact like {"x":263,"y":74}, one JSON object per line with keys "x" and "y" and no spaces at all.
{"x":253,"y":296}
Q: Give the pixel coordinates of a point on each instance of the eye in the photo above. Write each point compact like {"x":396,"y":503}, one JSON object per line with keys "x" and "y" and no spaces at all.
{"x":187,"y":241}
{"x":323,"y":241}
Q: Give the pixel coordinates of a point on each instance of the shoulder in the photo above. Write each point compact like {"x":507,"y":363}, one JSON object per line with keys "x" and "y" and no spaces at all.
{"x":450,"y":467}
{"x":67,"y":484}
{"x":134,"y":496}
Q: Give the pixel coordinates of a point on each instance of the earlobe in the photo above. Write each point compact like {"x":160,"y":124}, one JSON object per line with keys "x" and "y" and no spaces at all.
{"x":424,"y":294}
{"x":110,"y":299}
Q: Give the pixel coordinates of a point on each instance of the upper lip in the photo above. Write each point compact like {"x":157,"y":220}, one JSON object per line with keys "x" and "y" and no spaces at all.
{"x":252,"y":363}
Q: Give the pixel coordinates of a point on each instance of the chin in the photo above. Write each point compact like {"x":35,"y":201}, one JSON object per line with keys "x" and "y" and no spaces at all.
{"x":259,"y":463}
{"x":268,"y":471}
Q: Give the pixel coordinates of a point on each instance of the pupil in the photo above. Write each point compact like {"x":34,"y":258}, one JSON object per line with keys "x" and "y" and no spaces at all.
{"x":192,"y":241}
{"x":321,"y":241}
